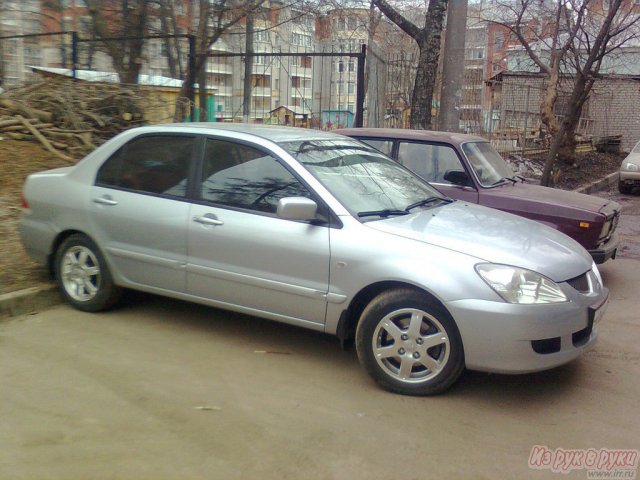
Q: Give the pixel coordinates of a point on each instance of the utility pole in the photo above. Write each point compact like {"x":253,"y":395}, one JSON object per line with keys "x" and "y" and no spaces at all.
{"x":453,"y":66}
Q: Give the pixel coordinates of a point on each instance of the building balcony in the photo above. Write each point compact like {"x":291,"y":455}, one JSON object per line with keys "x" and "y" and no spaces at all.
{"x":214,"y":67}
{"x":261,"y":91}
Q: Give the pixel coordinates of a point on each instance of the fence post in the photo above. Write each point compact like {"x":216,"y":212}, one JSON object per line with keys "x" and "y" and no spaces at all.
{"x":74,"y":54}
{"x":526,"y":118}
{"x":359,"y":119}
{"x":192,"y":75}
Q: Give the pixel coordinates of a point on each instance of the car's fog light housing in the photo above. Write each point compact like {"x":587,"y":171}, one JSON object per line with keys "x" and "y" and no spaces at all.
{"x":518,"y":285}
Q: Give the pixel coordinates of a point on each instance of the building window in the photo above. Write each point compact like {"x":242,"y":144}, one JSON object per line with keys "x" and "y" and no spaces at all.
{"x":261,"y":36}
{"x":301,"y":40}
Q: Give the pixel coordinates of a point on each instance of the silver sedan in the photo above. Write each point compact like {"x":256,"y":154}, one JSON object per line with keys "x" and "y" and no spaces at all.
{"x":320,"y":231}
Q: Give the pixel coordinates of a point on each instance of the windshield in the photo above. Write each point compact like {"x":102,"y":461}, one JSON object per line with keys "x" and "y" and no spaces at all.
{"x":361,"y":178}
{"x":490,"y":168}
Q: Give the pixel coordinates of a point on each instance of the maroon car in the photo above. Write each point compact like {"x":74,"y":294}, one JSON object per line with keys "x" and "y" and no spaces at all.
{"x":468,"y":168}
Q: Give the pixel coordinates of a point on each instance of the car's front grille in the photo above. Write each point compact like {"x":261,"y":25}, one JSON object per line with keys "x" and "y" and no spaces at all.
{"x":580,"y":283}
{"x":609,"y":226}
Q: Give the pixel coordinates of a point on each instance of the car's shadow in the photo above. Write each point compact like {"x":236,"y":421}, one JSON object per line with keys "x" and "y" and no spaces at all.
{"x":269,"y":337}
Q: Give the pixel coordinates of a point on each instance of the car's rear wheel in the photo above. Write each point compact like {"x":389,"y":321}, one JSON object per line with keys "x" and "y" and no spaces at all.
{"x":409,"y":343}
{"x":83,"y":275}
{"x":624,"y":188}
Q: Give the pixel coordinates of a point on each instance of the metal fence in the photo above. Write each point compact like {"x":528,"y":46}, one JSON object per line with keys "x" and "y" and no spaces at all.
{"x":322,"y":90}
{"x":318,"y":89}
{"x":308,"y":87}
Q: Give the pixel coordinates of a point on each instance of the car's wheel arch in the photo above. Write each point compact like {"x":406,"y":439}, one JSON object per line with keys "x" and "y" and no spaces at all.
{"x":55,"y":245}
{"x":349,"y":317}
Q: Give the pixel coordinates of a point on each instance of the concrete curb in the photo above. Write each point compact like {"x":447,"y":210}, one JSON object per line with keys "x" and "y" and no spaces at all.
{"x":598,"y":185}
{"x":29,"y":300}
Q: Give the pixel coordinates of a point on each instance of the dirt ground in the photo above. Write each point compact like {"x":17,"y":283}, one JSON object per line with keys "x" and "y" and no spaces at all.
{"x":18,"y":159}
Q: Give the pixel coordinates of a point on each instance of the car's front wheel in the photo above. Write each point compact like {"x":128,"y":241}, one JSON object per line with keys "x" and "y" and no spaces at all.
{"x":409,"y":343}
{"x":83,"y":276}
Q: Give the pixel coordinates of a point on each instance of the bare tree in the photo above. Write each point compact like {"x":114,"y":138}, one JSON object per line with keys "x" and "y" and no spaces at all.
{"x":126,"y":18}
{"x":572,"y":41}
{"x":214,"y":19}
{"x":428,"y":39}
{"x":172,"y":45}
{"x":546,"y":31}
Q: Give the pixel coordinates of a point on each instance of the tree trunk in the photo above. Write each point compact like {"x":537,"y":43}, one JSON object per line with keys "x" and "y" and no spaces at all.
{"x":422,"y":96}
{"x":168,"y":41}
{"x":565,"y":136}
{"x":547,"y":114}
{"x":429,"y":45}
{"x":202,"y":92}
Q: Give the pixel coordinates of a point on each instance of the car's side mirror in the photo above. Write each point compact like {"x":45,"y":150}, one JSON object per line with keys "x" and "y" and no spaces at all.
{"x":297,"y":208}
{"x":458,"y":177}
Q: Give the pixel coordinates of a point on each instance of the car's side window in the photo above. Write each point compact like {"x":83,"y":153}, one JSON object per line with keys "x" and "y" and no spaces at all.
{"x":383,"y":146}
{"x":157,"y":164}
{"x":430,"y":161}
{"x":244,"y":177}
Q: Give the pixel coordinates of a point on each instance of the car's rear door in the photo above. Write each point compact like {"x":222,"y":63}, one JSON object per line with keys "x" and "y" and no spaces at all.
{"x":139,"y":209}
{"x":240,"y":253}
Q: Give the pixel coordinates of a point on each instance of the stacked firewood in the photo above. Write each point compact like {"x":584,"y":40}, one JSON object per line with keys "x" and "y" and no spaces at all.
{"x":68,"y":118}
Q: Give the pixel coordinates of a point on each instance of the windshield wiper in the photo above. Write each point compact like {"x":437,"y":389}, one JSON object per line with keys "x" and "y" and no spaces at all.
{"x":504,"y":179}
{"x":426,"y":201}
{"x":387,"y":212}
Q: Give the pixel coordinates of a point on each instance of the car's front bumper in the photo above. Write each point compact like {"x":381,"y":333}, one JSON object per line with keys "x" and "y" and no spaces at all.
{"x":607,"y":250}
{"x":500,"y":337}
{"x":629,"y":178}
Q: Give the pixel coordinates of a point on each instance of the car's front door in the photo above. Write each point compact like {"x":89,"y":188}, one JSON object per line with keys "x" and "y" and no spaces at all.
{"x":240,"y":252}
{"x":432,"y":161}
{"x":139,"y":210}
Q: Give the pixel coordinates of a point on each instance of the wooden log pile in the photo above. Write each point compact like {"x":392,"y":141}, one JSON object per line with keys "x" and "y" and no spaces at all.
{"x":68,"y":118}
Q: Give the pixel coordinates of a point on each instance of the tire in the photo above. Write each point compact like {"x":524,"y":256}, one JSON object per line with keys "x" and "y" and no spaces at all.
{"x":409,"y":344}
{"x":83,"y":276}
{"x":624,"y":188}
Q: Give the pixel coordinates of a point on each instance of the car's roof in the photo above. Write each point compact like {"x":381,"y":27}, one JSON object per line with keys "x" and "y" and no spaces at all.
{"x":407,"y":134}
{"x":274,"y":133}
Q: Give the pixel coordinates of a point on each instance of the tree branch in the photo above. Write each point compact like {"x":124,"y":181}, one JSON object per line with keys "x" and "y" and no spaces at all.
{"x":396,"y":17}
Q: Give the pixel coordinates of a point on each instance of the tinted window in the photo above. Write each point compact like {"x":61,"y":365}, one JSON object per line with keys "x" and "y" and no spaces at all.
{"x":155,"y":164}
{"x":244,"y":177}
{"x":431,"y":162}
{"x":383,"y":146}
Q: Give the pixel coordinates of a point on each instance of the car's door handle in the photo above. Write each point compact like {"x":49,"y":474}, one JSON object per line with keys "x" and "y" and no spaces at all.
{"x":208,"y":219}
{"x":106,"y":200}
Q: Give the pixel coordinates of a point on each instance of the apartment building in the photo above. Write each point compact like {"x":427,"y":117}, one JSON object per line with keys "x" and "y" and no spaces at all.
{"x":18,"y":17}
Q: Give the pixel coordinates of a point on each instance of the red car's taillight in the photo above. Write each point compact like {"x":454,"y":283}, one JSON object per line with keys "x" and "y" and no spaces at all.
{"x":25,"y":204}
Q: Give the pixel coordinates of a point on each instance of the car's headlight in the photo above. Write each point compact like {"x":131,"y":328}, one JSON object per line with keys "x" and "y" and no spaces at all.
{"x":518,"y":285}
{"x":630,"y":167}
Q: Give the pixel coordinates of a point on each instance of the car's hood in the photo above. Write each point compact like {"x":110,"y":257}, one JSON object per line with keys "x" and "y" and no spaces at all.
{"x":545,"y":196}
{"x":493,"y":236}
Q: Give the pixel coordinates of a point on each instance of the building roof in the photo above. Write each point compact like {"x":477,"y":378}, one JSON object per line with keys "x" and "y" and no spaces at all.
{"x":297,"y":110}
{"x":112,"y":77}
